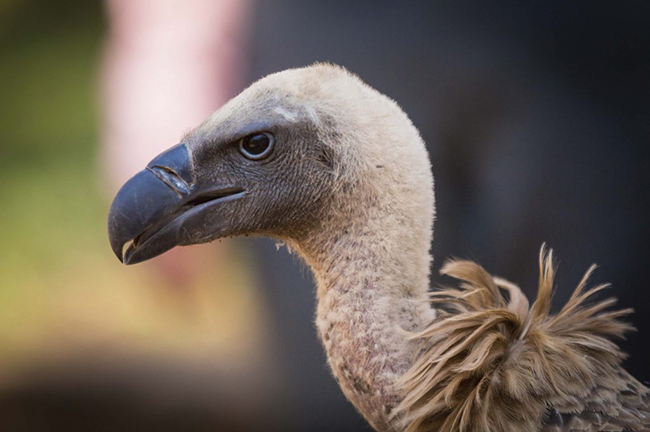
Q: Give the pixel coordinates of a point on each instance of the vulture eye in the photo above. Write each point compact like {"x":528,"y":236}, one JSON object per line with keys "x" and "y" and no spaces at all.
{"x":257,"y":146}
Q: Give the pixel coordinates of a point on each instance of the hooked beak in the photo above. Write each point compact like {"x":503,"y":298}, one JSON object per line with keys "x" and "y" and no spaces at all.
{"x":164,"y":206}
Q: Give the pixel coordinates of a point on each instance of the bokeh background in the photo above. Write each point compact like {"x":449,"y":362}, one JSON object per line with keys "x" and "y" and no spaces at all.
{"x":537,"y":118}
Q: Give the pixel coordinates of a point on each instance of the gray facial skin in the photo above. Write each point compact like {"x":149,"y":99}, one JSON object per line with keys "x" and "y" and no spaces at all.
{"x":207,"y":188}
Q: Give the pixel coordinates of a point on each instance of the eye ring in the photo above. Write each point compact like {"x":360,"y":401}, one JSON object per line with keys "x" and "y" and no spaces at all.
{"x":257,"y":146}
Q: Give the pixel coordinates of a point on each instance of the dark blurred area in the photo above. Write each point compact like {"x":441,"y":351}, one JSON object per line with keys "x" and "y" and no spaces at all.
{"x":536,"y":115}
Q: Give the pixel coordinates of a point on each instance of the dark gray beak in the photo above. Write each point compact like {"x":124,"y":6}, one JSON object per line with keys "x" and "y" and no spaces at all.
{"x":164,"y":206}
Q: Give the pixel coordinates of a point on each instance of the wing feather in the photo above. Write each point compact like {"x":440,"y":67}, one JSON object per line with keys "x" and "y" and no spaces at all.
{"x":492,"y":363}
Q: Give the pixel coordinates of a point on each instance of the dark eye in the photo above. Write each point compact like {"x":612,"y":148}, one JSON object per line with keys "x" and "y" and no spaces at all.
{"x":257,"y":146}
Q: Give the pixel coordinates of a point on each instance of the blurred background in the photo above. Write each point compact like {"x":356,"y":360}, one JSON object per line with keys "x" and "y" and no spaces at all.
{"x":537,"y":118}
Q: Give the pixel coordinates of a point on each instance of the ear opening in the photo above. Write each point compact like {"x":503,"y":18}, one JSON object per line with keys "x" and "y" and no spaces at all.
{"x":326,"y":157}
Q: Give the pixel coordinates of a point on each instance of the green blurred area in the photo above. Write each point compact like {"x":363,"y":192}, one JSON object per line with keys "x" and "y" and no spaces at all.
{"x":48,"y":136}
{"x":58,"y":278}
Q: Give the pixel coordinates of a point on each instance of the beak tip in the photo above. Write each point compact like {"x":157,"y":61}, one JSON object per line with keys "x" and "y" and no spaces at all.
{"x":132,"y":257}
{"x":142,"y":200}
{"x":127,"y":259}
{"x":118,"y":252}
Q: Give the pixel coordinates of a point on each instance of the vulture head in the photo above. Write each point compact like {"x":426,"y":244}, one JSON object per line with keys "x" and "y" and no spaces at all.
{"x":335,"y":169}
{"x":293,"y":157}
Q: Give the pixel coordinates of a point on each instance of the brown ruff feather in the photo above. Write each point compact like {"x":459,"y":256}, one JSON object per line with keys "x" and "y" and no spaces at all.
{"x":489,"y":362}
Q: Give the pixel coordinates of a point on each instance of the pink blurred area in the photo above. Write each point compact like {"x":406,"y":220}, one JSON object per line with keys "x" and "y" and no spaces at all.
{"x":168,"y":64}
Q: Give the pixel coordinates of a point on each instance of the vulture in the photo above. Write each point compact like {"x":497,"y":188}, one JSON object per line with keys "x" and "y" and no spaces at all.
{"x":319,"y":160}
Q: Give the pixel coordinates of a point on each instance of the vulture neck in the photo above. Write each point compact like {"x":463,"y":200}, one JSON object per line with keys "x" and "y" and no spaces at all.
{"x":372,"y":273}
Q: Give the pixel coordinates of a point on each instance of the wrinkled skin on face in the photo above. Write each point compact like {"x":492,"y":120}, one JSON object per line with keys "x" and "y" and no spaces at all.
{"x":284,"y":191}
{"x":207,"y":188}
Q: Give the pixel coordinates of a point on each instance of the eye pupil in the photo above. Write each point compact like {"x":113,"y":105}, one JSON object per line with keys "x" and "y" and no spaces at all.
{"x":257,"y":146}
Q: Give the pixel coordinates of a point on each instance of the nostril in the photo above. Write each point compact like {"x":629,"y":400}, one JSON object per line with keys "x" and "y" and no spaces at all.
{"x":170,"y":178}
